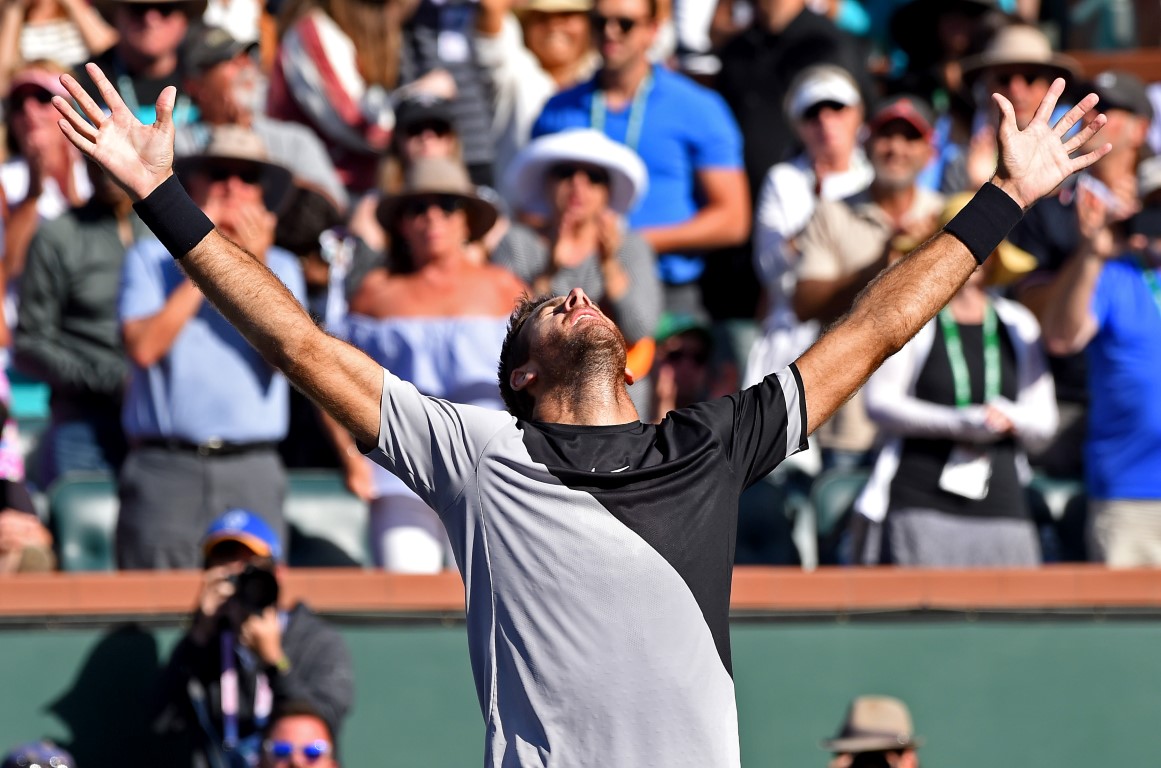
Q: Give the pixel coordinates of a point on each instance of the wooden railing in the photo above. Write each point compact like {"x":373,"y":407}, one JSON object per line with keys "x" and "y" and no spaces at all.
{"x":756,"y":590}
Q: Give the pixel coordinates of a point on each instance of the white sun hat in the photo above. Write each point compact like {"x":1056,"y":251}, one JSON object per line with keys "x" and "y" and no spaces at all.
{"x":527,"y":178}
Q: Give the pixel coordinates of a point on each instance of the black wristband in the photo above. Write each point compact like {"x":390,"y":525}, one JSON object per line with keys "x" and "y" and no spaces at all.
{"x":985,"y":221}
{"x":174,"y":218}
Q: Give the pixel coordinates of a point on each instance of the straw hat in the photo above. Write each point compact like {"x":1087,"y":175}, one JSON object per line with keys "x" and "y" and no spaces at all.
{"x":233,"y":146}
{"x":1009,"y":263}
{"x":1024,"y":46}
{"x":874,"y":724}
{"x":528,"y":174}
{"x":440,"y":176}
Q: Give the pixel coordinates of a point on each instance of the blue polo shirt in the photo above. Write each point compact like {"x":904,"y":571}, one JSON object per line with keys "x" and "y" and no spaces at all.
{"x":685,"y":129}
{"x":212,"y":384}
{"x":1123,"y":453}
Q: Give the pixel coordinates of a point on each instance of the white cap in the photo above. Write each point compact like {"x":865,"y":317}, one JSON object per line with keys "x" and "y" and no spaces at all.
{"x":824,"y":82}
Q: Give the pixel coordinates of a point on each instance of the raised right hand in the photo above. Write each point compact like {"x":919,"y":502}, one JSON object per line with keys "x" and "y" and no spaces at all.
{"x":138,"y":157}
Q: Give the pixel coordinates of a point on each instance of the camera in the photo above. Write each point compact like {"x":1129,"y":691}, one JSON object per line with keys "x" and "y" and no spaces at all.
{"x":255,"y":588}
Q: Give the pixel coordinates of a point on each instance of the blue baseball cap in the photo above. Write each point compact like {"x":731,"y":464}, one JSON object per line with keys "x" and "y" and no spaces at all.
{"x":244,"y":527}
{"x":44,"y":754}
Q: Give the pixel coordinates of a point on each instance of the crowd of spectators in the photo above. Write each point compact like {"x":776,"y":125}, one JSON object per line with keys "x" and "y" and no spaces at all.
{"x":723,"y":178}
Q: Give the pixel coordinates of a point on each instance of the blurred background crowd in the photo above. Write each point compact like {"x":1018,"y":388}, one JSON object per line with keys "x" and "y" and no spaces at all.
{"x":722,"y":177}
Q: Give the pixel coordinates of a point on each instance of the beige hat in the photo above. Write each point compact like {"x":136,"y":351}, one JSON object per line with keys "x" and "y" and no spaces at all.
{"x":233,"y":146}
{"x":555,"y":6}
{"x":874,"y":724}
{"x":1020,"y":45}
{"x":440,"y":176}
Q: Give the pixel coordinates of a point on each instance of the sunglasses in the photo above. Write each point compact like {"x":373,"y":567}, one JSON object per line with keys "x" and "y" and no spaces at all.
{"x":17,"y":100}
{"x":624,"y":24}
{"x":420,"y":205}
{"x":814,"y":112}
{"x":1004,"y":79}
{"x":245,"y":175}
{"x":567,"y":171}
{"x":437,"y":127}
{"x":165,"y":9}
{"x":284,"y":750}
{"x":697,"y":357}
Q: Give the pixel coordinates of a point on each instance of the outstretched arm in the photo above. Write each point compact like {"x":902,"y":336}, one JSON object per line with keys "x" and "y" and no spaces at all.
{"x":905,"y":296}
{"x":340,"y":378}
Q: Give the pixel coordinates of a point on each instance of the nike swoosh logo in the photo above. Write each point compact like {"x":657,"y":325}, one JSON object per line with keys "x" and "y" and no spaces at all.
{"x":622,"y":469}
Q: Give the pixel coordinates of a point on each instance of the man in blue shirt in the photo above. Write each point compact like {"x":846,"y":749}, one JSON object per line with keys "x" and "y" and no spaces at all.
{"x":698,"y":198}
{"x":203,"y":412}
{"x":1110,"y":301}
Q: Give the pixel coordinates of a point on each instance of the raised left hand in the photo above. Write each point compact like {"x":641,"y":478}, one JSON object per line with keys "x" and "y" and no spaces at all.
{"x":262,"y":633}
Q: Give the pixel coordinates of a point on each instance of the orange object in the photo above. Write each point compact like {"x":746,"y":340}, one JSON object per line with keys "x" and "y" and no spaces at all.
{"x":639,"y":360}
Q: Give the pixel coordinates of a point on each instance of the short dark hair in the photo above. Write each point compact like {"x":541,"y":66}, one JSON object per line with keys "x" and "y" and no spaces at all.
{"x":296,"y":708}
{"x":514,"y":353}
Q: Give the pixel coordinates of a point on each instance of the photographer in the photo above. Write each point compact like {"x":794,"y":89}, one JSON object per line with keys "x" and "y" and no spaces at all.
{"x":243,"y":655}
{"x":876,"y":733}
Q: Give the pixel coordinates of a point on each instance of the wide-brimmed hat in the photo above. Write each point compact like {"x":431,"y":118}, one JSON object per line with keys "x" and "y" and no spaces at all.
{"x":440,"y":176}
{"x":233,"y":146}
{"x":1009,"y":263}
{"x":1020,"y":45}
{"x":528,"y":174}
{"x":821,"y":83}
{"x":874,"y":724}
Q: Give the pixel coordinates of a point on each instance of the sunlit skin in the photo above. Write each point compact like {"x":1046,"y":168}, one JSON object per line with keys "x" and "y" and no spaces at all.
{"x":1024,"y":87}
{"x":216,"y":91}
{"x":300,"y":730}
{"x":221,"y":200}
{"x":898,"y":153}
{"x":557,"y":40}
{"x":433,"y":234}
{"x":579,"y":197}
{"x":830,"y":136}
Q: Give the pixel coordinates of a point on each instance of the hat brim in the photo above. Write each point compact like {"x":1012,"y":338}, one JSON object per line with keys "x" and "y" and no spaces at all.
{"x":1059,"y":65}
{"x":1010,"y":263}
{"x":481,"y":214}
{"x":275,"y":180}
{"x":528,"y":175}
{"x":253,"y":543}
{"x":869,"y":744}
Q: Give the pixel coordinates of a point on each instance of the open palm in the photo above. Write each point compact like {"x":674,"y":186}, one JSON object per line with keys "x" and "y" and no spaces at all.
{"x":138,"y":157}
{"x":1034,"y":161}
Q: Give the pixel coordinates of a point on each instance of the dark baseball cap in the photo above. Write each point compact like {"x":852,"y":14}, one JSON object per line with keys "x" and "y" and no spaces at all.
{"x":421,"y":108}
{"x":1122,"y":90}
{"x":908,"y":108}
{"x":207,"y":46}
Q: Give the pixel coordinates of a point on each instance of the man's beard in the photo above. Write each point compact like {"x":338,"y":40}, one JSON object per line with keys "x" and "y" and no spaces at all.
{"x":595,"y":356}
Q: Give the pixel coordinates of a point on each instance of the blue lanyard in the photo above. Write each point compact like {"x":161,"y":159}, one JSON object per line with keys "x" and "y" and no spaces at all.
{"x":600,"y":110}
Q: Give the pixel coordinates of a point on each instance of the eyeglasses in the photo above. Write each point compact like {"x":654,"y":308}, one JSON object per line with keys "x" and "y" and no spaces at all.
{"x":568,"y":170}
{"x":624,"y":24}
{"x":165,"y":9}
{"x":1004,"y":79}
{"x":218,"y":173}
{"x":17,"y":100}
{"x":437,"y":127}
{"x":284,"y":750}
{"x":814,"y":112}
{"x":420,"y":205}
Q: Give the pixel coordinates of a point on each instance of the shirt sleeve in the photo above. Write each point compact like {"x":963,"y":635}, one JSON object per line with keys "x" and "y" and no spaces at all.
{"x":143,"y":290}
{"x":432,"y":445}
{"x":717,"y":140}
{"x":761,"y":425}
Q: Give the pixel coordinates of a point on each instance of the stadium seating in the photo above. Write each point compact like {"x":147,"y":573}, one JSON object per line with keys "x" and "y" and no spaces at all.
{"x":328,"y":524}
{"x":83,"y":516}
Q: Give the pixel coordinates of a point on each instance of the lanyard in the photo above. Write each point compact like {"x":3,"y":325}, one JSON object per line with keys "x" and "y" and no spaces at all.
{"x":959,"y":368}
{"x":600,"y":110}
{"x":1151,"y":281}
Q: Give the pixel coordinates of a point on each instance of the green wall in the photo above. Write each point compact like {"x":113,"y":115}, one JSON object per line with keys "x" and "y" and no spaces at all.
{"x":1066,"y":693}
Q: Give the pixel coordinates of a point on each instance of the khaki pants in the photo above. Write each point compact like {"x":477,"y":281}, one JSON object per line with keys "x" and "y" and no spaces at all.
{"x":1125,"y":533}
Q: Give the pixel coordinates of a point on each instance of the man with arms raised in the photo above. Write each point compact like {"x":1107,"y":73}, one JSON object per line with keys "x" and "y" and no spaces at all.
{"x":596,"y":550}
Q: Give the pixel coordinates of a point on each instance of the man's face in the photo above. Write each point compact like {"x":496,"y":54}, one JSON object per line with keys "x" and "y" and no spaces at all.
{"x":829,"y":130}
{"x":623,"y":31}
{"x":557,"y":39}
{"x":688,"y":355}
{"x":898,"y":151}
{"x":1125,"y":130}
{"x":225,"y":92}
{"x":220,"y":190}
{"x":298,"y":741}
{"x":1024,"y":86}
{"x":578,"y":189}
{"x":151,"y":30}
{"x":569,"y":339}
{"x":433,"y":226}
